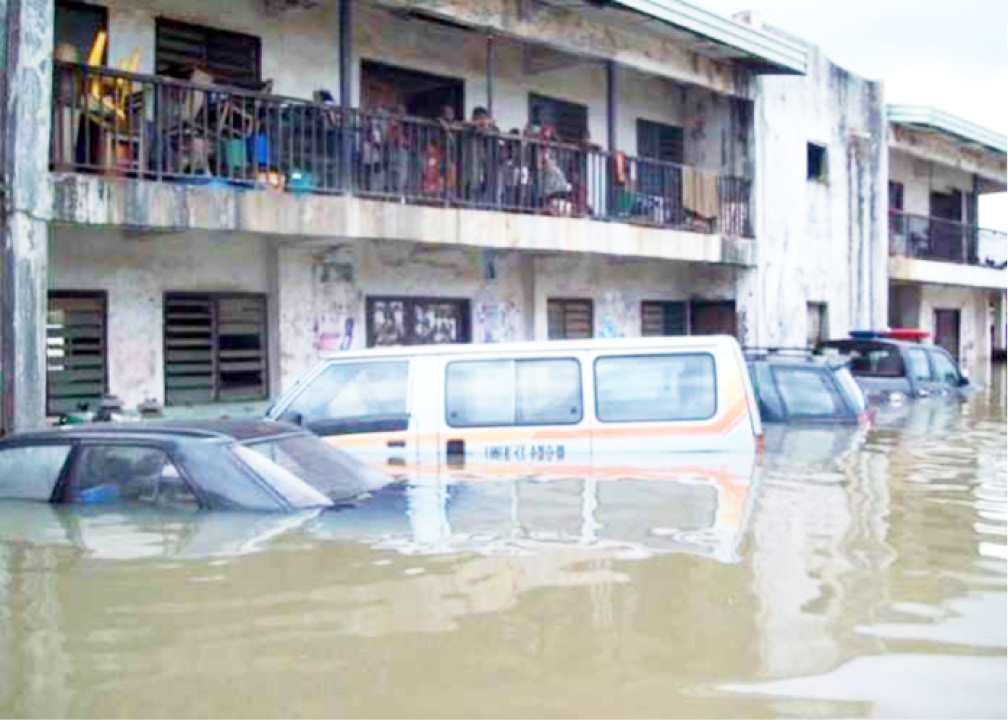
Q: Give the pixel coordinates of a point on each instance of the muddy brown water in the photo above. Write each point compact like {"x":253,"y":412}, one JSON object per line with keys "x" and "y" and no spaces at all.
{"x":859,"y":573}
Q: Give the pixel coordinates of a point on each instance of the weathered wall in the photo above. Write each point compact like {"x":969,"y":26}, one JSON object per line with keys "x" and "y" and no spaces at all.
{"x":25,"y":136}
{"x":974,"y":323}
{"x":323,"y":292}
{"x":944,"y":149}
{"x":819,"y":241}
{"x":618,"y":286}
{"x":135,"y":272}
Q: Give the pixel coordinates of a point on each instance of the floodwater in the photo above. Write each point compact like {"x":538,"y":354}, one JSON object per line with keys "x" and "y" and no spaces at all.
{"x":856,"y":572}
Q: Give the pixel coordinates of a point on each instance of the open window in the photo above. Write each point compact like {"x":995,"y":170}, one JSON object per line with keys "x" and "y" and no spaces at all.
{"x":818,"y":167}
{"x":230,"y":58}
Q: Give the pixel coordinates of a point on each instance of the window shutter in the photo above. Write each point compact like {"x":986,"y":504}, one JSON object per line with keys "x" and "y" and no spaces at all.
{"x":663,"y":319}
{"x":189,"y":350}
{"x":75,"y":351}
{"x":569,"y":319}
{"x":570,"y":120}
{"x":231,"y":58}
{"x":657,"y":141}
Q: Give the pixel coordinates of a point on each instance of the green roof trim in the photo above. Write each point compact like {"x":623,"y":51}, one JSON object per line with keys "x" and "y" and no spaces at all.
{"x":939,"y":120}
{"x":776,"y":54}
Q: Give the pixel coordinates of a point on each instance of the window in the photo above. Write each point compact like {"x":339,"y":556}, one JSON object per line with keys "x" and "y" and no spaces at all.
{"x":230,"y":58}
{"x":355,"y":390}
{"x":818,"y":168}
{"x":514,"y":392}
{"x":895,"y":195}
{"x":920,"y":369}
{"x":655,"y":387}
{"x":416,"y":321}
{"x":129,"y":474}
{"x":570,"y":120}
{"x":874,"y":360}
{"x":214,"y":348}
{"x":77,"y":27}
{"x":818,"y":324}
{"x":657,"y":141}
{"x":945,"y":369}
{"x":851,"y":390}
{"x":76,"y":372}
{"x":664,"y":318}
{"x":569,"y":319}
{"x":806,"y":393}
{"x":31,"y":473}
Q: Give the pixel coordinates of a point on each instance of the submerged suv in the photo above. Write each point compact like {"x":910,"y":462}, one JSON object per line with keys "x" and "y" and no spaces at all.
{"x":890,"y":369}
{"x":796,"y":386}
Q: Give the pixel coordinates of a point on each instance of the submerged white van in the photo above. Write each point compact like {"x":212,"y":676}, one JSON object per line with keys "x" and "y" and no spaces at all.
{"x":539,"y":408}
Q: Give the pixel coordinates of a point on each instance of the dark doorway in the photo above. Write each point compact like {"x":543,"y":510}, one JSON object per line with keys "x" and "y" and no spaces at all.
{"x":421,"y":94}
{"x":946,"y":325}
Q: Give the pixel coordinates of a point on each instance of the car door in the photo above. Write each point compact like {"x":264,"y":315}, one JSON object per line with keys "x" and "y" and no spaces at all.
{"x":521,"y":414}
{"x":947,"y":378}
{"x":32,"y":471}
{"x":920,"y":372}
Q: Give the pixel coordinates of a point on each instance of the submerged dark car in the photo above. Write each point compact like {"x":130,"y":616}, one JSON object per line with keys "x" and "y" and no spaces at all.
{"x":218,"y":465}
{"x":890,"y":369}
{"x":796,"y":386}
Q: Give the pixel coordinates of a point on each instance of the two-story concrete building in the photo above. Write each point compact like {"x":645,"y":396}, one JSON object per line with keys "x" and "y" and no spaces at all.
{"x":206,"y":198}
{"x":947,"y":274}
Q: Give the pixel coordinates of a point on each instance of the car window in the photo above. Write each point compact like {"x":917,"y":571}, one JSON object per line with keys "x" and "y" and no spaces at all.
{"x":645,"y":388}
{"x":876,"y":360}
{"x":919,"y":369}
{"x":295,"y":490}
{"x":945,"y":369}
{"x":539,"y":391}
{"x":31,"y":472}
{"x":806,"y":392}
{"x":129,"y":474}
{"x":331,"y":472}
{"x":765,"y":391}
{"x":354,"y":390}
{"x":851,"y":390}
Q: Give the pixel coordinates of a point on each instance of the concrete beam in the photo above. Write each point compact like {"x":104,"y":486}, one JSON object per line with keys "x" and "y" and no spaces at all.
{"x":27,"y":209}
{"x":159,"y":207}
{"x":914,"y":270}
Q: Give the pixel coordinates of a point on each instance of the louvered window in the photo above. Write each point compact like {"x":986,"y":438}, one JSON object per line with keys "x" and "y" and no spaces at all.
{"x":569,"y":319}
{"x":75,"y":351}
{"x":656,"y":141}
{"x":713,"y":317}
{"x":570,"y":120}
{"x":660,"y":319}
{"x":215,"y":348}
{"x":230,"y":58}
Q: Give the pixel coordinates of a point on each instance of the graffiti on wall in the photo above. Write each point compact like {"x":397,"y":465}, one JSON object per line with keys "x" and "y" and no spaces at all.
{"x":336,"y":300}
{"x":497,"y":321}
{"x":618,"y":316}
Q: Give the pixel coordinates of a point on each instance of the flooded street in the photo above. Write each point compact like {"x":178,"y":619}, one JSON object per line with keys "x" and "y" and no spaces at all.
{"x":853,"y":573}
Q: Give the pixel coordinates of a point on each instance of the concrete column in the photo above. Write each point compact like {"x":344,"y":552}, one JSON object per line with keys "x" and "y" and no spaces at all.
{"x":27,"y":108}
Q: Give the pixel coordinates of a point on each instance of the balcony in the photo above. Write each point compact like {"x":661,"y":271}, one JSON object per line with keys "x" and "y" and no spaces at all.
{"x":945,"y":252}
{"x":118,"y":125}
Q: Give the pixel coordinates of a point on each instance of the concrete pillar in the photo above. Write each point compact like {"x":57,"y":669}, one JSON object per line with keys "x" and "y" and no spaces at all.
{"x":27,"y":108}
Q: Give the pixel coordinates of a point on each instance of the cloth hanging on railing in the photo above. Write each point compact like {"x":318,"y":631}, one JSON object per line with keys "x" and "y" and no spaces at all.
{"x":700,"y":192}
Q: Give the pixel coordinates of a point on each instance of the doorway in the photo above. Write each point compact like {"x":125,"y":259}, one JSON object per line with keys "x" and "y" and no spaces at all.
{"x":421,"y":94}
{"x":946,"y":325}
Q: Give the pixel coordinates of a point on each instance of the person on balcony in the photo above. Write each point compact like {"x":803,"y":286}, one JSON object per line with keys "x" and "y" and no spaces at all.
{"x":481,"y":147}
{"x":449,"y":149}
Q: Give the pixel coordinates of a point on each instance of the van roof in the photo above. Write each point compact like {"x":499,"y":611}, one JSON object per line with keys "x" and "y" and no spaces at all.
{"x":705,"y":342}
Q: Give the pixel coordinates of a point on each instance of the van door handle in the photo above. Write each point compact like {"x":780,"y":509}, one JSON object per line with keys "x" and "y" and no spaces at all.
{"x":396,"y":443}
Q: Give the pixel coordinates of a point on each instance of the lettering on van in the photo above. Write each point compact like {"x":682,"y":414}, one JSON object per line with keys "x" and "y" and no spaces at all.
{"x":524,"y":453}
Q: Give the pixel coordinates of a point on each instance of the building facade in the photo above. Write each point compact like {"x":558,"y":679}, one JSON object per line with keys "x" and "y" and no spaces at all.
{"x":205,"y":201}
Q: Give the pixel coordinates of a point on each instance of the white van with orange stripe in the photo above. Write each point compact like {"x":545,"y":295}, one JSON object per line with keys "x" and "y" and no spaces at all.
{"x":541,"y":409}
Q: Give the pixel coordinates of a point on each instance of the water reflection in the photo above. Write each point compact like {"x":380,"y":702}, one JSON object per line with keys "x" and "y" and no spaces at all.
{"x":856,"y":572}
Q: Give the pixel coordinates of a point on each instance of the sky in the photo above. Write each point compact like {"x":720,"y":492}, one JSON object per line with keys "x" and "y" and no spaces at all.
{"x":952,"y":54}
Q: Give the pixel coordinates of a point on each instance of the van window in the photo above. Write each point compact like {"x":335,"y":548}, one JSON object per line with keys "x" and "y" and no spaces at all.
{"x":806,"y":393}
{"x":919,"y":368}
{"x":353,"y":390}
{"x":514,"y":392}
{"x":645,"y":388}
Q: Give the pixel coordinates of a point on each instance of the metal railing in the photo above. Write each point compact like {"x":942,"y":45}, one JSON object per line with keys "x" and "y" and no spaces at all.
{"x":111,"y":122}
{"x":930,"y":238}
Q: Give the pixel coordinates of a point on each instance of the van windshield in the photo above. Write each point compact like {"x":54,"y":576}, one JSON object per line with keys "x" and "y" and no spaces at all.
{"x":354,"y":390}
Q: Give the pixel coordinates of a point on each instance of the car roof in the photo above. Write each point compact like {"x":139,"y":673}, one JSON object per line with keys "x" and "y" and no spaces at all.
{"x":795,"y":356}
{"x":171,"y":431}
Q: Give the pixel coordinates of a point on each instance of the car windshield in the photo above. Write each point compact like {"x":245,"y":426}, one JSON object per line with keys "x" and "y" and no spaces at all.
{"x":805,"y":392}
{"x":298,"y":493}
{"x":328,"y":470}
{"x":851,"y":390}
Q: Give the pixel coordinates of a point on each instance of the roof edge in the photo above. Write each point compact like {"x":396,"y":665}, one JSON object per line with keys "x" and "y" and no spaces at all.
{"x":782,"y":56}
{"x":942,"y":121}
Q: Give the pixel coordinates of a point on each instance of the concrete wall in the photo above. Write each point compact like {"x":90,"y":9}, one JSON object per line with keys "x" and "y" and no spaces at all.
{"x":136,"y":271}
{"x":818,"y":240}
{"x":918,"y":303}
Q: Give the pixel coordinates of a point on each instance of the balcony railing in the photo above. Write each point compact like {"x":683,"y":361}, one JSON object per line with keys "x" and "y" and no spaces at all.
{"x":929,"y":238}
{"x":117,"y":123}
